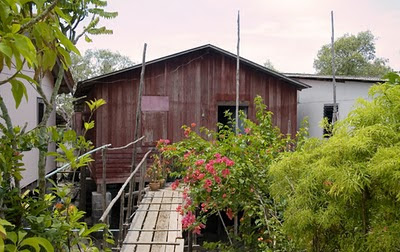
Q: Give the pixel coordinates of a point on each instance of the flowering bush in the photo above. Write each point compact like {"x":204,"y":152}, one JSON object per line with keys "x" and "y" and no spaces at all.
{"x":228,"y":172}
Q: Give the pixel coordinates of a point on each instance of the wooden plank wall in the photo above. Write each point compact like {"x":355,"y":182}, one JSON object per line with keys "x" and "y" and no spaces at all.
{"x":196,"y":84}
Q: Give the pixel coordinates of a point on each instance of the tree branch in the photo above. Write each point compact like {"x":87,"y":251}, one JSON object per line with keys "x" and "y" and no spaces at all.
{"x":12,"y":76}
{"x":38,"y":17}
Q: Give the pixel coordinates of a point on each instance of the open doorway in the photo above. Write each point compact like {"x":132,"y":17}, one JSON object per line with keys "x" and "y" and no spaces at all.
{"x":232,"y":109}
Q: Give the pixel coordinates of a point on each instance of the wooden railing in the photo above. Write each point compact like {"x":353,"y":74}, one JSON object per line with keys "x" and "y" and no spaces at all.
{"x":125,"y":212}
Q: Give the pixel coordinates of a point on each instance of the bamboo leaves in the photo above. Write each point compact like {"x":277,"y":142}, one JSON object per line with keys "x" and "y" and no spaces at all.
{"x":343,"y":193}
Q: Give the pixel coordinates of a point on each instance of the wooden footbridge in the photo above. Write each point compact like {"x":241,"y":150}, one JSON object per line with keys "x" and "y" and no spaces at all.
{"x":156,"y":225}
{"x":148,"y":220}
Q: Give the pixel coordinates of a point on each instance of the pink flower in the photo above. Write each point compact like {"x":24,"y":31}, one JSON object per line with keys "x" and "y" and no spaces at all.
{"x":198,"y":228}
{"x":179,"y":210}
{"x":186,"y":132}
{"x":229,"y":213}
{"x":247,"y":130}
{"x":207,"y":183}
{"x":186,"y":179}
{"x":229,"y":162}
{"x":204,"y":207}
{"x":193,"y":125}
{"x":188,"y":220}
{"x":217,"y":179}
{"x":224,"y":195}
{"x":199,"y":162}
{"x":187,"y":154}
{"x":210,"y":168}
{"x":184,"y":194}
{"x":217,"y":155}
{"x":175,"y":184}
{"x":200,"y":176}
{"x":225,"y":172}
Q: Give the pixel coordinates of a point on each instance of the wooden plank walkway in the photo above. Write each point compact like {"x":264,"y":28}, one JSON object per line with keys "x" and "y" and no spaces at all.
{"x":156,"y":225}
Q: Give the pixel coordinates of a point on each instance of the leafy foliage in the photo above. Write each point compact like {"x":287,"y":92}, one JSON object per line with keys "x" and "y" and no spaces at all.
{"x":354,"y":56}
{"x":342,"y":194}
{"x":97,"y":62}
{"x":225,"y":172}
{"x":268,"y":64}
{"x":52,"y":219}
{"x":30,"y":34}
{"x":77,"y":11}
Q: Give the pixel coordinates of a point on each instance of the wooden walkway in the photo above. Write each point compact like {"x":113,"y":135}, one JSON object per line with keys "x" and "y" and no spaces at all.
{"x":156,"y":225}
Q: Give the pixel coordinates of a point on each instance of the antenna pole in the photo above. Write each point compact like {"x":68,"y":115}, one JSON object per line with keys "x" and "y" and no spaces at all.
{"x":237,"y":76}
{"x":335,"y":110}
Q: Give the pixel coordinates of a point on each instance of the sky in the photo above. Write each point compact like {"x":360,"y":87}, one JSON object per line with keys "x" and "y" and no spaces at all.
{"x":289,"y":33}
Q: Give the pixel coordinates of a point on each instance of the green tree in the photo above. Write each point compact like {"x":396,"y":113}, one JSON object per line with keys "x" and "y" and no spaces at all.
{"x":268,"y":64}
{"x":342,"y":194}
{"x":93,"y":63}
{"x":97,"y":62}
{"x":354,"y":56}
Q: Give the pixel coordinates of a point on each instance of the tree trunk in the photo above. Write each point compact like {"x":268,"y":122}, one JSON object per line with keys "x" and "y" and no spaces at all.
{"x":365,"y":219}
{"x":42,"y":134}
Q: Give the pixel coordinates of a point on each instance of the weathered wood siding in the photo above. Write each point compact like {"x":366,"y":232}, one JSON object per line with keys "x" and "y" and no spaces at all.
{"x":195,"y":84}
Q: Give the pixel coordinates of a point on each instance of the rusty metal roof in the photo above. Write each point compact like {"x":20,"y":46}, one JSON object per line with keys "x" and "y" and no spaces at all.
{"x":338,"y":78}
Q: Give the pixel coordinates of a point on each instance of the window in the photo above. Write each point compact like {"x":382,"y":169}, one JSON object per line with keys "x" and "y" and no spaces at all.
{"x":328,"y":113}
{"x":232,"y":109}
{"x":40,"y":110}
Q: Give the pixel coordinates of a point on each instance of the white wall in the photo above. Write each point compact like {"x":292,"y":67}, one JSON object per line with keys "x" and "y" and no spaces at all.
{"x":27,"y":113}
{"x":311,"y":101}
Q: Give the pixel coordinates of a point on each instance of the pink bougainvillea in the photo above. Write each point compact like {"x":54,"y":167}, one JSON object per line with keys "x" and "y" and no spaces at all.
{"x":188,"y":219}
{"x":199,"y":162}
{"x":175,"y":184}
{"x":229,"y":213}
{"x":197,"y":229}
{"x":225,"y":172}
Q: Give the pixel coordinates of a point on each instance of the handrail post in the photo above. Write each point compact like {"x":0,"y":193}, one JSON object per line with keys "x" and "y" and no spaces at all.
{"x":121,"y":220}
{"x":141,"y":184}
{"x":190,"y":242}
{"x":131,"y":187}
{"x":104,"y":192}
{"x":104,"y":188}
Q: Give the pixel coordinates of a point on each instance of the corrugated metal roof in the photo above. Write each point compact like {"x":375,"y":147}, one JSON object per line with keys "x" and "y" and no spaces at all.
{"x":297,"y":83}
{"x":329,"y":77}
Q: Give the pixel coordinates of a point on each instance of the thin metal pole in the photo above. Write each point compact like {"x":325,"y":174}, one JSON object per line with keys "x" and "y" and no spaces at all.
{"x":335,"y":110}
{"x":237,"y":75}
{"x":235,"y":223}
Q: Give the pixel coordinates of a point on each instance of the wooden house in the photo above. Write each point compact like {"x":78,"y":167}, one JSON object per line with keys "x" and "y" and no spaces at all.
{"x":196,"y":85}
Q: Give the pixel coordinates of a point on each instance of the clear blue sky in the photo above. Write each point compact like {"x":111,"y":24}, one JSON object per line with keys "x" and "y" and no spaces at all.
{"x":288,"y":32}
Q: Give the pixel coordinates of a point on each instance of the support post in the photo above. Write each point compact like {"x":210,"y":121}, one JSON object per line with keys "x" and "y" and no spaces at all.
{"x":104,"y":186}
{"x":136,"y":130}
{"x":237,"y":76}
{"x":190,"y":242}
{"x":121,"y":220}
{"x":237,"y":99}
{"x":335,"y":110}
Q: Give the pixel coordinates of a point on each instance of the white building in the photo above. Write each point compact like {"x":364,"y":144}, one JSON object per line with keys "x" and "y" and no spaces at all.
{"x":29,"y":112}
{"x":317,"y":102}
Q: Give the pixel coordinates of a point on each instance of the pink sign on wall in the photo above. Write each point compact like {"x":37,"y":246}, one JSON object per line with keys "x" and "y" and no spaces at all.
{"x":155,"y":103}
